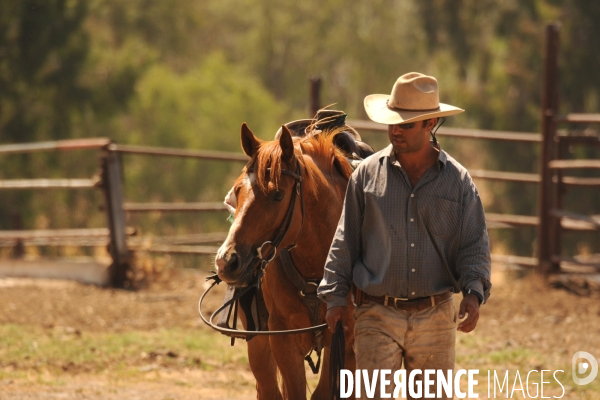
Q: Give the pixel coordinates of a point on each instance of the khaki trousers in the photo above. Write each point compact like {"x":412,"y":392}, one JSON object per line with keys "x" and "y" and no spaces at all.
{"x":386,"y":338}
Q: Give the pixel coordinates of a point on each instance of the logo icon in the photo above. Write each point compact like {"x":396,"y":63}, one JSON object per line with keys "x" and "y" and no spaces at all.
{"x":581,"y":367}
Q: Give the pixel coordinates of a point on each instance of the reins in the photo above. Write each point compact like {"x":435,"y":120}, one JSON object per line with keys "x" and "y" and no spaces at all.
{"x":240,"y":333}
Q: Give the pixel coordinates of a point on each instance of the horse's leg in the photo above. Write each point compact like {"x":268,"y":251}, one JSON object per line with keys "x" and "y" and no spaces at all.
{"x":264,"y":368}
{"x":290,"y":361}
{"x":322,"y":390}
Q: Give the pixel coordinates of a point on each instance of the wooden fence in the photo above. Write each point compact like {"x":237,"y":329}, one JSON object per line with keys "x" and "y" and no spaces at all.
{"x":117,"y":235}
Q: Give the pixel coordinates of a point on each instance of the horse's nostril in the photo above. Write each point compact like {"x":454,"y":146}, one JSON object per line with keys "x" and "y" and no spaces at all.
{"x":233,"y":262}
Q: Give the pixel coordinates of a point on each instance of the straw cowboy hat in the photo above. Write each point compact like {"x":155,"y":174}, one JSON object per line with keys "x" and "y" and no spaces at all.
{"x":414,"y":97}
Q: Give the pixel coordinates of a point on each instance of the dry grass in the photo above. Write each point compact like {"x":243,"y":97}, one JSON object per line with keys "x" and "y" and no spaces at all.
{"x":67,"y":340}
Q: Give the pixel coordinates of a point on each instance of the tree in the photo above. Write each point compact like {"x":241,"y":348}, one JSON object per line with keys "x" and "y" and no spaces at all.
{"x":43,"y":48}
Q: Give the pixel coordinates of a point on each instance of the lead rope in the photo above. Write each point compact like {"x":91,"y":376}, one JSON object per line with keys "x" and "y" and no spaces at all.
{"x":337,"y":358}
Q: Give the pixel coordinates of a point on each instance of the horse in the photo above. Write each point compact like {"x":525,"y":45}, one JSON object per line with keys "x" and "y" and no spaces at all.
{"x":262,"y":199}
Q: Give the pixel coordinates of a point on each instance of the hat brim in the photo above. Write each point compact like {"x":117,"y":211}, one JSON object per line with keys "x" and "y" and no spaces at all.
{"x":377,"y":109}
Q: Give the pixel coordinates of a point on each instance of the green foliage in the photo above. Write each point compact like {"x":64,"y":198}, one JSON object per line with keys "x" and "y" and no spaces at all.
{"x":200,"y":109}
{"x":195,"y":109}
{"x":42,"y":48}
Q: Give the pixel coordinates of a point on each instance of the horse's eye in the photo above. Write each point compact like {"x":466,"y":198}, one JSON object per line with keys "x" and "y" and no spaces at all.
{"x":278,"y":196}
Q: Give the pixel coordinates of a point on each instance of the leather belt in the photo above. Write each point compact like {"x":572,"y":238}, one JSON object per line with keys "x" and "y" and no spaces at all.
{"x":400,"y":303}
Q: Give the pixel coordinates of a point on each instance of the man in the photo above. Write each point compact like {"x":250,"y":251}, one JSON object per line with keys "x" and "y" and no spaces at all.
{"x":412,"y":231}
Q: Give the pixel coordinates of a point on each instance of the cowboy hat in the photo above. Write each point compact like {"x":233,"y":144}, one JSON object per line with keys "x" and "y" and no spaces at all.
{"x":414,"y":97}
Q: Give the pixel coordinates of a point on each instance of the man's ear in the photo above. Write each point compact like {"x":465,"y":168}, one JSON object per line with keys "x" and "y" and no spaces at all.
{"x":432,"y":122}
{"x":250,"y":143}
{"x":287,"y":144}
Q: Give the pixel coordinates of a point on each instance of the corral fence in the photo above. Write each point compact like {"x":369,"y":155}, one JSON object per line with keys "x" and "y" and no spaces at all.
{"x":119,"y":238}
{"x":550,"y":221}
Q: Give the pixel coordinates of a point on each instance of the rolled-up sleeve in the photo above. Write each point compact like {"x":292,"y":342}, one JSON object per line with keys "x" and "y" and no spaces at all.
{"x":345,"y":248}
{"x":473,"y":259}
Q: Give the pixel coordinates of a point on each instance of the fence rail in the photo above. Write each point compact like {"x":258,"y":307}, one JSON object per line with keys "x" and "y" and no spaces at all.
{"x":171,"y":152}
{"x":191,"y":238}
{"x":177,"y":249}
{"x":568,"y":221}
{"x":71,"y":144}
{"x":174,"y":207}
{"x":48,"y":183}
{"x":573,"y":181}
{"x":580,"y":118}
{"x":574,"y":164}
{"x":505,"y":176}
{"x":460,"y":132}
{"x":89,"y":237}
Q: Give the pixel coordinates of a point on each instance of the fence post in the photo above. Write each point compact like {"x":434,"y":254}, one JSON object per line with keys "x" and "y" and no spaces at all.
{"x":113,"y":194}
{"x":547,"y":192}
{"x":315,"y":95}
{"x":560,"y":191}
{"x":18,"y":250}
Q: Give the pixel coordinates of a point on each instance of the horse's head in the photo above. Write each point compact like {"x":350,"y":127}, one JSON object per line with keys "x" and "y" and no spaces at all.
{"x":260,"y":200}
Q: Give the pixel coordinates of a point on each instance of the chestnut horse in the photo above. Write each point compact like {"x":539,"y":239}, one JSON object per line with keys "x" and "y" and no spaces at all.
{"x":261,"y":197}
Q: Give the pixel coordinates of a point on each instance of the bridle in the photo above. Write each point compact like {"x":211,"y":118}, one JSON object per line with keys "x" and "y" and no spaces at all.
{"x":264,"y":259}
{"x":259,"y":264}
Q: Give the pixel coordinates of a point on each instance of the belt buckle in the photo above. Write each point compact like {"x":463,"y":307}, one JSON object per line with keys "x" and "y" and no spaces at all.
{"x":397,"y":299}
{"x":387,"y":298}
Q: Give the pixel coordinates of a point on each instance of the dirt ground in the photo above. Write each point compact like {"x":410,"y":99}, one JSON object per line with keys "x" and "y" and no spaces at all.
{"x":526,"y":324}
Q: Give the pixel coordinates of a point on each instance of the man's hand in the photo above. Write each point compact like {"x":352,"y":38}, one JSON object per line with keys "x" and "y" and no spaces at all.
{"x":335,"y":314}
{"x":470,"y":306}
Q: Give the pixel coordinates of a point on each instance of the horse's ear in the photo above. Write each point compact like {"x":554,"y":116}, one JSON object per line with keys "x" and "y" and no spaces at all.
{"x":250,"y":143}
{"x":286,"y":143}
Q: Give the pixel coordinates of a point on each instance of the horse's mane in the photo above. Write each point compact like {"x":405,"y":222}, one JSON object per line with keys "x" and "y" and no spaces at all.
{"x":267,"y":163}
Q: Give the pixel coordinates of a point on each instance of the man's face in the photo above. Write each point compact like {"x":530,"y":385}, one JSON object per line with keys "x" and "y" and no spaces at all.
{"x":411,"y":137}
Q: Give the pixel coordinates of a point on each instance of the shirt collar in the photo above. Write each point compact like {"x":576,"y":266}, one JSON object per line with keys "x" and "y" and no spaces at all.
{"x":388,"y":153}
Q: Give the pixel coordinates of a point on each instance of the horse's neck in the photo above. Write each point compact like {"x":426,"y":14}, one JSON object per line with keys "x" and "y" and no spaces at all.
{"x":321,"y":218}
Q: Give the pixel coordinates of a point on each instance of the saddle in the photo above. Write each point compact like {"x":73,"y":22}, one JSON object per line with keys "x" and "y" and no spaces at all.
{"x":348,"y":140}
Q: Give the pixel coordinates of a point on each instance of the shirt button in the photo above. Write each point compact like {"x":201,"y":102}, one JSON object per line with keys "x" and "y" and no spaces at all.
{"x":412,"y":245}
{"x":412,"y":220}
{"x":413,"y":293}
{"x":413,"y":270}
{"x":412,"y":195}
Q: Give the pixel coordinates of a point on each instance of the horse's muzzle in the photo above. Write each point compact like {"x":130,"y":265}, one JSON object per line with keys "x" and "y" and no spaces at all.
{"x":232,"y":269}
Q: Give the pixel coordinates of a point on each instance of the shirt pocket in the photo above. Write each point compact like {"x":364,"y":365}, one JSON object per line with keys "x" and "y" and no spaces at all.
{"x":441,"y":217}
